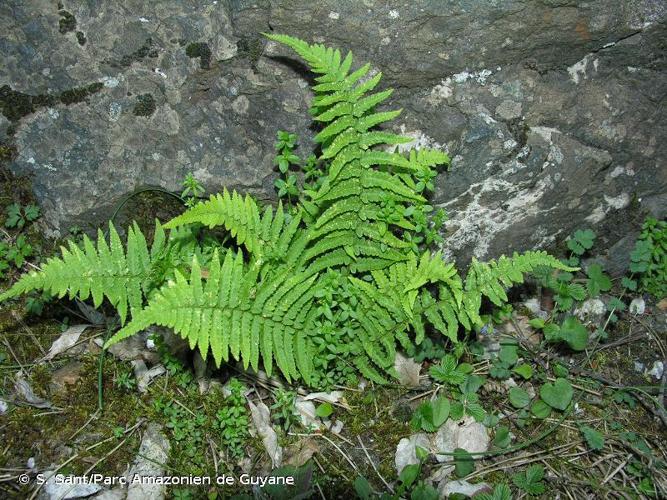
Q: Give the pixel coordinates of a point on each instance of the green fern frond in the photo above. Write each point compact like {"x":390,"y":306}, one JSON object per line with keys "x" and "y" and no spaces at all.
{"x":102,"y":271}
{"x":220,"y":314}
{"x":491,"y":278}
{"x":270,"y":233}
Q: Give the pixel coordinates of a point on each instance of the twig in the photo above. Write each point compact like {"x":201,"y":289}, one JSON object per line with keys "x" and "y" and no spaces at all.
{"x":373,"y":464}
{"x":615,"y":471}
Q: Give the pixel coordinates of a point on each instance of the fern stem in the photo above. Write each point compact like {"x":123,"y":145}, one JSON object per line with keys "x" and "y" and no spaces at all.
{"x":100,"y":373}
{"x":137,"y":192}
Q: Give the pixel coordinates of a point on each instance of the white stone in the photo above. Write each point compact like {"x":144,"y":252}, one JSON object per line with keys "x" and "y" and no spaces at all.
{"x":657,"y":370}
{"x":591,"y":308}
{"x":55,"y":488}
{"x":637,"y":306}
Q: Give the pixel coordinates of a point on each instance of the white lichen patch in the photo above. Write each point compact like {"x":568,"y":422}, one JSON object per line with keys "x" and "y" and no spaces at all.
{"x":115,"y":109}
{"x":596,"y":215}
{"x":240,"y":105}
{"x":618,"y":202}
{"x":444,"y":89}
{"x":440,"y":92}
{"x":394,"y":14}
{"x":421,"y":140}
{"x":620,"y":170}
{"x":110,"y":82}
{"x":478,"y":223}
{"x":334,"y":15}
{"x":578,"y":69}
{"x":478,"y":76}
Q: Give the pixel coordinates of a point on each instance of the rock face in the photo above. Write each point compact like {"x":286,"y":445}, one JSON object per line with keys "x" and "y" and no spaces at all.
{"x":550,"y":110}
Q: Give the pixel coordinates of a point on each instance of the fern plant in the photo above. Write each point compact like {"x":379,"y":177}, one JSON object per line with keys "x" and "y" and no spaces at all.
{"x":324,"y":290}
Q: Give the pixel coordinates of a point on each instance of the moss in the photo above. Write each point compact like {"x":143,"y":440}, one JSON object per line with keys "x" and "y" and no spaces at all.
{"x":145,"y":105}
{"x":15,"y":105}
{"x":142,"y":52}
{"x":7,"y":152}
{"x":202,"y":51}
{"x":251,"y":47}
{"x":67,"y":22}
{"x":81,"y":38}
{"x":79,"y":94}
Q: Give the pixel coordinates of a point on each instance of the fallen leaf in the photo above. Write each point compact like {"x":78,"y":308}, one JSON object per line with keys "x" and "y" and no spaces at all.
{"x":307,"y":412}
{"x":66,"y":340}
{"x":333,"y":397}
{"x":406,"y":451}
{"x":262,"y":419}
{"x":468,"y":434}
{"x":521,"y":328}
{"x":301,"y":452}
{"x":461,"y":487}
{"x":144,"y":376}
{"x":23,"y":389}
{"x":408,"y":370}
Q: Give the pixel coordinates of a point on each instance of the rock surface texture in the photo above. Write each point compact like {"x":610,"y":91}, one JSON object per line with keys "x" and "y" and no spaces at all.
{"x":552,"y":110}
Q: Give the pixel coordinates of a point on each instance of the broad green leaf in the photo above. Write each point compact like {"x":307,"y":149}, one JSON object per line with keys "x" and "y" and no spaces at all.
{"x":557,"y":395}
{"x":540,"y":409}
{"x":525,"y":370}
{"x":518,"y":397}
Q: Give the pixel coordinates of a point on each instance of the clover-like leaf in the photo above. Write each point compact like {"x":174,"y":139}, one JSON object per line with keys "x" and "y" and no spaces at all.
{"x":557,"y":395}
{"x":518,"y":397}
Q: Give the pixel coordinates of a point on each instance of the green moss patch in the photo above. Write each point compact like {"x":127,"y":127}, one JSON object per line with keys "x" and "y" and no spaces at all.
{"x":202,"y":51}
{"x":145,"y":105}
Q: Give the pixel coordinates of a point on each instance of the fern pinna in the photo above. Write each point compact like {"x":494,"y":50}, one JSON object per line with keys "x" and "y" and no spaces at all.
{"x":324,"y":289}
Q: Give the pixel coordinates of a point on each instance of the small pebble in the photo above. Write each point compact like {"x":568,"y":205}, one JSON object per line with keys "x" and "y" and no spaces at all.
{"x":657,"y":370}
{"x":31,"y":463}
{"x":3,"y":407}
{"x":637,"y":306}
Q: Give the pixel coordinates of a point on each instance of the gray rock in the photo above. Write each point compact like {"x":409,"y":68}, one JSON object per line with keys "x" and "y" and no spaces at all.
{"x":548,"y":109}
{"x":153,"y":455}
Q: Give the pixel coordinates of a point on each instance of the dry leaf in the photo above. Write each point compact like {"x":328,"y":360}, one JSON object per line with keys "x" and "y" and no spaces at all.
{"x":23,"y":389}
{"x":262,"y":420}
{"x":406,"y":453}
{"x":408,"y":370}
{"x":66,"y":340}
{"x":462,"y":488}
{"x":301,"y":452}
{"x":467,"y":434}
{"x":143,"y":375}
